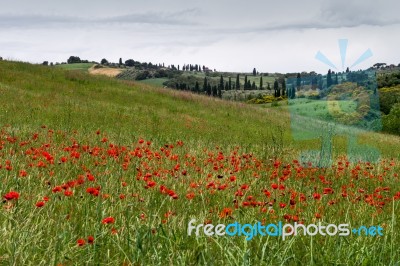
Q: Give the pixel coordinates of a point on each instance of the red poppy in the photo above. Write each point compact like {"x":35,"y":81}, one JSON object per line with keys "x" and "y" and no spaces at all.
{"x":225,"y":212}
{"x":68,"y":193}
{"x":40,"y":204}
{"x":90,"y":239}
{"x":190,"y":195}
{"x":11,"y":195}
{"x":108,"y":220}
{"x":317,"y":196}
{"x":81,"y":242}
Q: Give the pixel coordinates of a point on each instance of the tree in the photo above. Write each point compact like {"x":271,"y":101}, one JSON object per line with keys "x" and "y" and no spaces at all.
{"x":104,"y":61}
{"x":391,"y":122}
{"x":261,"y":83}
{"x":209,"y":89}
{"x":73,"y":60}
{"x":283,"y":87}
{"x":293,"y":92}
{"x":268,"y":86}
{"x":245,"y":82}
{"x":197,"y":87}
{"x":214,"y":91}
{"x":221,"y":83}
{"x":347,"y":70}
{"x":298,"y":81}
{"x":130,"y":63}
{"x":254,"y":72}
{"x":253,"y":86}
{"x":120,"y":62}
{"x":45,"y":63}
{"x":229,"y":84}
{"x":205,"y":85}
{"x":336,"y":79}
{"x":237,"y":82}
{"x":276,"y":89}
{"x":329,"y":79}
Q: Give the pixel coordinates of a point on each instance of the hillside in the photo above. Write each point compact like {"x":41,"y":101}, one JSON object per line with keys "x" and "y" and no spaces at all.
{"x":109,"y":172}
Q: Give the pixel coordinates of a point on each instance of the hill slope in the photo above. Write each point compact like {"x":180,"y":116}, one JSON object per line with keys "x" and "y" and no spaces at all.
{"x":104,"y":172}
{"x":36,"y":95}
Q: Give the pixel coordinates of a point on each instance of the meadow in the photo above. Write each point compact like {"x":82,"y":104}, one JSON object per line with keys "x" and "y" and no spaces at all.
{"x":98,"y":171}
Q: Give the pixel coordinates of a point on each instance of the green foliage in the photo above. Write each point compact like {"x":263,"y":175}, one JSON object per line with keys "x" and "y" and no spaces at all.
{"x":391,"y":122}
{"x":388,"y":97}
{"x":73,"y":60}
{"x":388,"y":79}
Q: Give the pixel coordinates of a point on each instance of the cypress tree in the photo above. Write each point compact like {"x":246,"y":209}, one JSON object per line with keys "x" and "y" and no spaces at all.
{"x":276,"y":89}
{"x":237,"y":82}
{"x":261,"y":83}
{"x":221,"y":83}
{"x":214,"y":91}
{"x":209,"y":90}
{"x":329,"y":79}
{"x":205,"y":87}
{"x":298,"y":81}
{"x":283,"y":87}
{"x":229,"y":84}
{"x":245,"y":82}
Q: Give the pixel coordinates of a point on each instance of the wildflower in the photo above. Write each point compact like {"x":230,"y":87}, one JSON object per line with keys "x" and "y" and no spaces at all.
{"x":11,"y":195}
{"x":317,"y":196}
{"x":81,"y":242}
{"x":68,"y":193}
{"x":90,"y":239}
{"x":225,"y":212}
{"x":40,"y":204}
{"x":108,"y":220}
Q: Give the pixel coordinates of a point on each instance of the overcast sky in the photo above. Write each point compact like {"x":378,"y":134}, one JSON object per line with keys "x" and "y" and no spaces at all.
{"x":226,"y":35}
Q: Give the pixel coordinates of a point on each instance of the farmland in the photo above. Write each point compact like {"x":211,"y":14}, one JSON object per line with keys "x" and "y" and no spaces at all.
{"x":107,"y":172}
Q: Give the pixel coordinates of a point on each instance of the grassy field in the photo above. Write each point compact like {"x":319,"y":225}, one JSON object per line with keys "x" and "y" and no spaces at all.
{"x":77,"y":66}
{"x":154,"y":81}
{"x":103,"y":172}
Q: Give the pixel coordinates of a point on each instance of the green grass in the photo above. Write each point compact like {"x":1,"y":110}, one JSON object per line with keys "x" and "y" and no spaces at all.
{"x":48,"y":114}
{"x":154,"y":81}
{"x":77,"y":66}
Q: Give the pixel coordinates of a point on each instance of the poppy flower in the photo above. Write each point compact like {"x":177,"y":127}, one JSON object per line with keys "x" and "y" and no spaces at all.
{"x":108,"y":220}
{"x":225,"y":212}
{"x":40,"y":204}
{"x":317,"y":196}
{"x":90,"y":239}
{"x":11,"y":195}
{"x":68,"y":193}
{"x":81,"y":242}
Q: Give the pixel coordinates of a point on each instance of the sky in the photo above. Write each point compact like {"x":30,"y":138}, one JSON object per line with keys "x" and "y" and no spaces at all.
{"x":272,"y":36}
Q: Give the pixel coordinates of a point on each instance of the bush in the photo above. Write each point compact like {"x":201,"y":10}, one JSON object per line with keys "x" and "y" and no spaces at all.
{"x":142,"y":75}
{"x":391,"y":122}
